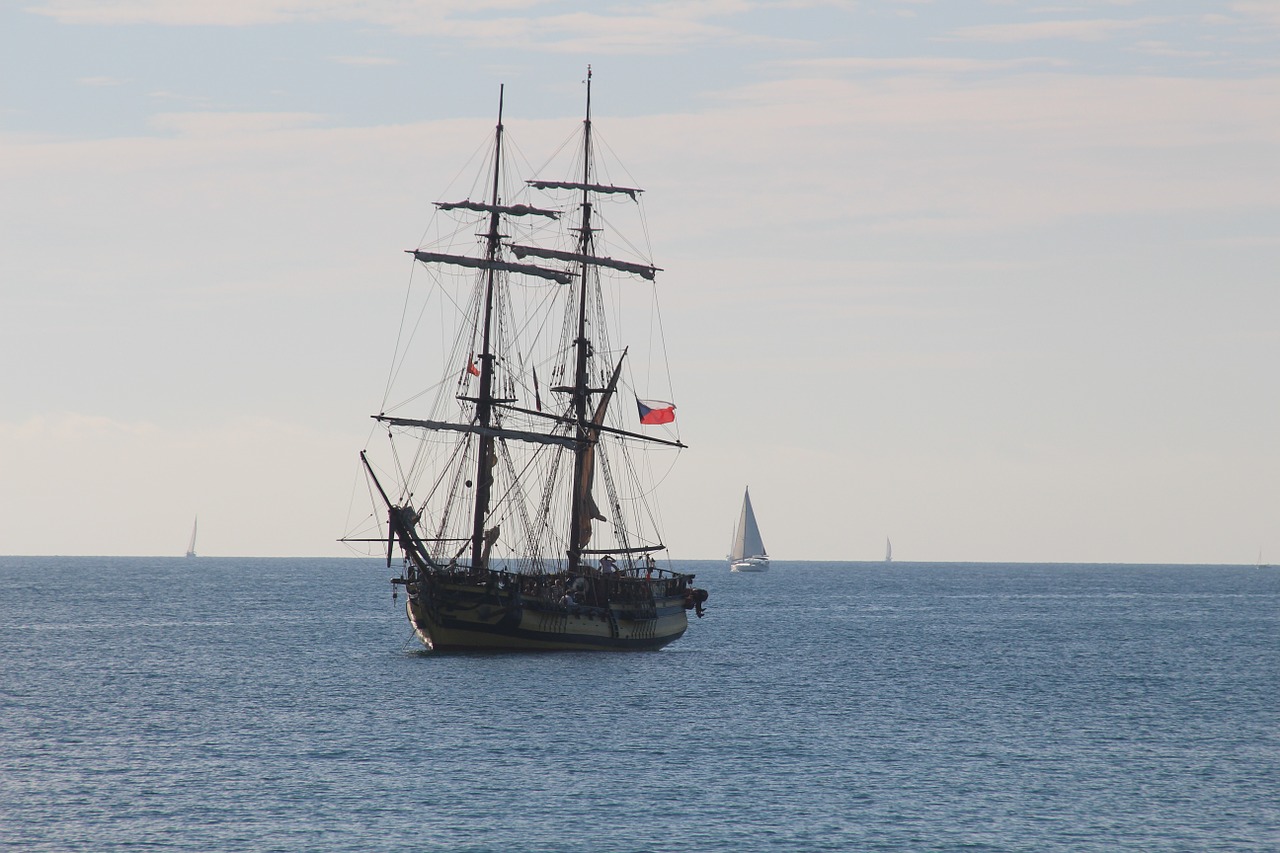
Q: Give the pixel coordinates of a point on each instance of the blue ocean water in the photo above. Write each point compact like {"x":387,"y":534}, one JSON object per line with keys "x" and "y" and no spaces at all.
{"x":281,"y":705}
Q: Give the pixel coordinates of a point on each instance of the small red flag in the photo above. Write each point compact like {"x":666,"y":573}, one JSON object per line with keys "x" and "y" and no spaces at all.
{"x":656,"y":411}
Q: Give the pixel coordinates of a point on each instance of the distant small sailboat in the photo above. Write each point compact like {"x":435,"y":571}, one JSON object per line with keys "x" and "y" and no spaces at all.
{"x":191,"y":546}
{"x":746,"y":552}
{"x":888,"y":550}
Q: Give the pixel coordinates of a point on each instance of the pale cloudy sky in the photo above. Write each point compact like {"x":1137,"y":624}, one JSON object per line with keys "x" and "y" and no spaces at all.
{"x":995,"y":279}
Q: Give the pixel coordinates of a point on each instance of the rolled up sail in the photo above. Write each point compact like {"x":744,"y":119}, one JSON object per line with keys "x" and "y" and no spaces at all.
{"x":479,"y":429}
{"x":509,"y":210}
{"x":576,"y":185}
{"x":484,"y":264}
{"x":641,"y":270}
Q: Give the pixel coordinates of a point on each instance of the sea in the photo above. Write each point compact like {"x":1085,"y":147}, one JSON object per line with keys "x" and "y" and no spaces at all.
{"x":210,"y":704}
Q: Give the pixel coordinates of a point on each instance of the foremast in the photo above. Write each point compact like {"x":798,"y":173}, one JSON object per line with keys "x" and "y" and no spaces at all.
{"x":484,"y":423}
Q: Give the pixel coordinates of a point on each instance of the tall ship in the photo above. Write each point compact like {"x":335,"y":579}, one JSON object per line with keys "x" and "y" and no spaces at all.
{"x":517,"y":481}
{"x":746,"y":550}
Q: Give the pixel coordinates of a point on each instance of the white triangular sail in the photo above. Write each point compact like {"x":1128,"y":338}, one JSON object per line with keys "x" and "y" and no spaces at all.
{"x":191,"y":546}
{"x":888,"y":550}
{"x":746,"y":537}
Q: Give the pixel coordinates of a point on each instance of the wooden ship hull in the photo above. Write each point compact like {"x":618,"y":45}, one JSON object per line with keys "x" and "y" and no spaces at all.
{"x":450,"y":615}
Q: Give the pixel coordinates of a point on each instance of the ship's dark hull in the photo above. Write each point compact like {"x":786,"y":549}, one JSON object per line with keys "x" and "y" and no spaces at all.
{"x":457,"y":616}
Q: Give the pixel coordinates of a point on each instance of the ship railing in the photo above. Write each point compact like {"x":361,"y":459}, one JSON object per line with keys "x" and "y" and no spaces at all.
{"x":624,"y":587}
{"x":466,"y":570}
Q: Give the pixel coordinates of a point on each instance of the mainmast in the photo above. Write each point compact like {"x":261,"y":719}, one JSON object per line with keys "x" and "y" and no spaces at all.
{"x":581,"y":515}
{"x":485,"y":457}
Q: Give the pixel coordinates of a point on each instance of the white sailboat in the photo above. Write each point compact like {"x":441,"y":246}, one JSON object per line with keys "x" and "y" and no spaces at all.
{"x":888,"y":550}
{"x":747,"y":553}
{"x":191,"y":546}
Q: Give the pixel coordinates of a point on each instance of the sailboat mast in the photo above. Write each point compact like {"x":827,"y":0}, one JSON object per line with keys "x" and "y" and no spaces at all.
{"x":582,"y":456}
{"x":484,"y":400}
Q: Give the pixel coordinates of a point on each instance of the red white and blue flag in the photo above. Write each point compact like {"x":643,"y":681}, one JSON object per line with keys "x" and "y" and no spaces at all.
{"x":656,"y":411}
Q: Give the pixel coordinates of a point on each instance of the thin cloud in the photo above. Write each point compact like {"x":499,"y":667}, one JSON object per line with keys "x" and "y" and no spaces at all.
{"x":655,"y":30}
{"x":1097,"y":29}
{"x":240,"y":13}
{"x":365,"y":60}
{"x":102,"y":81}
{"x":582,"y":32}
{"x":231,"y":13}
{"x":1265,"y":11}
{"x":530,"y":24}
{"x":1248,"y":241}
{"x":918,"y":64}
{"x":166,"y":96}
{"x":207,"y":124}
{"x":1163,"y":48}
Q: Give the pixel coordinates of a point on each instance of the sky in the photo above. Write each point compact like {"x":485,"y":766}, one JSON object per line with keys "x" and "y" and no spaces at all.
{"x":994,"y":279}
